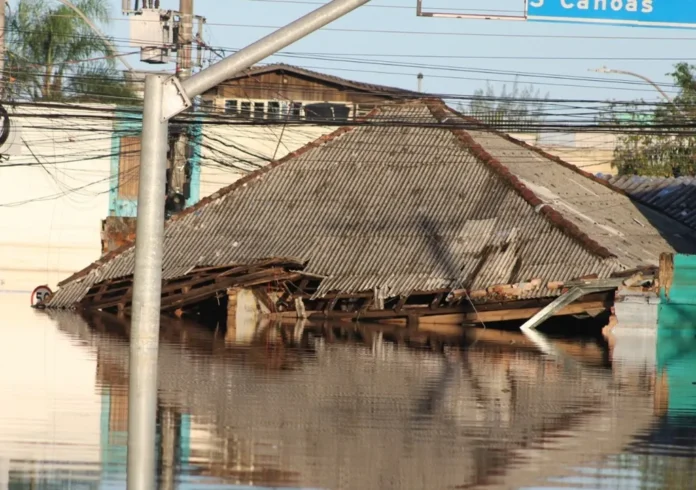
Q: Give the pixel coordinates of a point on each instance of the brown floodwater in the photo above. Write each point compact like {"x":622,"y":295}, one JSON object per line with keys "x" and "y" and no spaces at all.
{"x":333,"y":407}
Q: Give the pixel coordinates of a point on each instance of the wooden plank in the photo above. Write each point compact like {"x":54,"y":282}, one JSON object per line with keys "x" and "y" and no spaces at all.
{"x":194,"y":278}
{"x":428,"y":317}
{"x":513,"y":314}
{"x":101,"y":289}
{"x":330,"y":306}
{"x":265,"y":299}
{"x":435,"y":303}
{"x":177,"y":287}
{"x":208,"y":291}
{"x":128,"y":167}
{"x":402,"y":301}
{"x":302,"y":286}
{"x":554,"y":307}
{"x":666,"y":272}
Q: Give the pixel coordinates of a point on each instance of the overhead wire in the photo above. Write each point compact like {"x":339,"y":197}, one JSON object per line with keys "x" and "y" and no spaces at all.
{"x":565,"y":120}
{"x":335,"y":57}
{"x":447,"y":33}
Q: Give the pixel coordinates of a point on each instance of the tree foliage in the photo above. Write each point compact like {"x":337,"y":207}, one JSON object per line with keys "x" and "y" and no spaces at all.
{"x":53,"y":54}
{"x":648,"y":152}
{"x":520,"y":107}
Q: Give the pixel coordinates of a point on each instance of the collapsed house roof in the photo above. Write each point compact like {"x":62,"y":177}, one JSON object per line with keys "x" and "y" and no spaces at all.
{"x":415,"y":198}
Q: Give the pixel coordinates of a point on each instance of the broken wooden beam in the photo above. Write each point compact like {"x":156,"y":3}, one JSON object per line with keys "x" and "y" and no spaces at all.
{"x":584,"y":287}
{"x":450,"y":316}
{"x":247,"y":281}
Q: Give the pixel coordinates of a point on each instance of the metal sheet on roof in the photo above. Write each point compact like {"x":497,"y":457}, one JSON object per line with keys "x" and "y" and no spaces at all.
{"x":634,"y":234}
{"x":675,"y":197}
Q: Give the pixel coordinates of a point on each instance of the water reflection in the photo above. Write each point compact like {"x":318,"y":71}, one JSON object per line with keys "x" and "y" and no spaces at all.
{"x":663,"y":454}
{"x":342,"y":407}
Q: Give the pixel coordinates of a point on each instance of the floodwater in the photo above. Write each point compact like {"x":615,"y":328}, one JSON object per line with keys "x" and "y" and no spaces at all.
{"x":305,"y":407}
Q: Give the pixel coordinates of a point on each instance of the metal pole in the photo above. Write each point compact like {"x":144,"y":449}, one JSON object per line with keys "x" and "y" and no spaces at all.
{"x":604,"y":69}
{"x":183,"y":70}
{"x":185,"y":39}
{"x":243,"y":59}
{"x":645,"y":79}
{"x":147,"y":288}
{"x":3,"y":77}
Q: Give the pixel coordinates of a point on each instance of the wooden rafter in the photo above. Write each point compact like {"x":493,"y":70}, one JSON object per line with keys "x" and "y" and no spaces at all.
{"x":196,"y":286}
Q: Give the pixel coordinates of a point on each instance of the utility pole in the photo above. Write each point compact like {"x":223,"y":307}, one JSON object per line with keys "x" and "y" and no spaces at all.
{"x":184,"y":67}
{"x":183,"y":59}
{"x":164,"y":99}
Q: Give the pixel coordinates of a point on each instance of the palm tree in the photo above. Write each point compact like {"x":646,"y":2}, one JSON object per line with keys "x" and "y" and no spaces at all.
{"x":54,"y":55}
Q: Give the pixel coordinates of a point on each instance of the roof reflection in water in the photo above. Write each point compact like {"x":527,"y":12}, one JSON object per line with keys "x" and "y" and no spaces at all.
{"x":306,"y":405}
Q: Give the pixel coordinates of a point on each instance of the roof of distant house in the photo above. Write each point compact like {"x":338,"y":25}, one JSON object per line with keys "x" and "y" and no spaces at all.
{"x":676,"y":197}
{"x":331,"y":79}
{"x":415,"y":198}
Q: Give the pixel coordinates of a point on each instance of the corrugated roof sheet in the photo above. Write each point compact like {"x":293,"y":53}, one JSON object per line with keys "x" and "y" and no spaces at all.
{"x":675,"y":197}
{"x":409,"y":208}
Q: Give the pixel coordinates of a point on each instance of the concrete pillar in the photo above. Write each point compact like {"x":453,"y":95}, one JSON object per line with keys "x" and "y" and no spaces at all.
{"x":243,"y":315}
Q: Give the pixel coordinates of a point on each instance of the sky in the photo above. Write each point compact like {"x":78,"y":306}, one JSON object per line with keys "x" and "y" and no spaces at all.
{"x":385,"y":42}
{"x":452,"y":53}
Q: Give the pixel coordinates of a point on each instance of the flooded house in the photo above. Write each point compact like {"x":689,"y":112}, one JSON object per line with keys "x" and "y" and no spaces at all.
{"x":413,"y":214}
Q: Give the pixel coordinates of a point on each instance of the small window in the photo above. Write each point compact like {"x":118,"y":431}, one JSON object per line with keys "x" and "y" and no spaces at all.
{"x":259,"y":110}
{"x":296,"y":110}
{"x":246,"y":109}
{"x":274,"y":110}
{"x":231,"y":107}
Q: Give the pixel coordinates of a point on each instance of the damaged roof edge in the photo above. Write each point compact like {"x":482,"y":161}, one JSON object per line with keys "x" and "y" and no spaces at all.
{"x":568,"y":165}
{"x":225,"y":190}
{"x":440,"y":111}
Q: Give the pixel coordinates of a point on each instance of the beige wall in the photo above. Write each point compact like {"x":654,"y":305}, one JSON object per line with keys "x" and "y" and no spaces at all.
{"x":231,"y":151}
{"x":592,"y":152}
{"x":50,"y":213}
